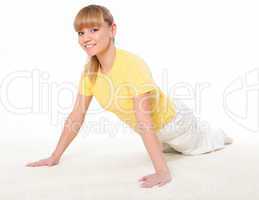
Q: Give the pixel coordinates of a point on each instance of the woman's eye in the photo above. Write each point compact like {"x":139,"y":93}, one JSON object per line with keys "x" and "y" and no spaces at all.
{"x":80,"y":33}
{"x":93,"y":30}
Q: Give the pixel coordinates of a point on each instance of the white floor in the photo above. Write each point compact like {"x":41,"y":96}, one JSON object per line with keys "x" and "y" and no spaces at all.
{"x":109,"y":169}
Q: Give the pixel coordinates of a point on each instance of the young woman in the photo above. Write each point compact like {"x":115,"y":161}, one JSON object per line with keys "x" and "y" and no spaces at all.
{"x":122,"y":83}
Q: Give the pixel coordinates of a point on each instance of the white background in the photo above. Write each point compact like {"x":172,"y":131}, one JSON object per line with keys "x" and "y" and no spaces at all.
{"x":193,"y":44}
{"x":202,"y":52}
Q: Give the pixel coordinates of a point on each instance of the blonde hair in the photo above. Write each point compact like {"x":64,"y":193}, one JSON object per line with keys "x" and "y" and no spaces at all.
{"x":90,"y":16}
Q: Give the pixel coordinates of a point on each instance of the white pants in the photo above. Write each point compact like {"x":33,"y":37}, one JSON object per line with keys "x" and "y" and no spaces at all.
{"x":186,"y":134}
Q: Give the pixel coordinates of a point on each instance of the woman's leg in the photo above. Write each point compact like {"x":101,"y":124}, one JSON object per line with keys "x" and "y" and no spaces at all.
{"x":188,"y":135}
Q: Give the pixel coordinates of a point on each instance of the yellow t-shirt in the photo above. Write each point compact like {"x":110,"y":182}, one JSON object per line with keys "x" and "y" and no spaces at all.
{"x":128,"y":77}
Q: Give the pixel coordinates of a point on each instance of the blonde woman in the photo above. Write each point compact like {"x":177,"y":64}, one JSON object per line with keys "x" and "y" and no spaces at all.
{"x":122,"y":83}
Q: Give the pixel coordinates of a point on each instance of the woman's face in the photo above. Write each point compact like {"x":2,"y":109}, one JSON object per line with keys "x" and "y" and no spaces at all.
{"x":95,"y":40}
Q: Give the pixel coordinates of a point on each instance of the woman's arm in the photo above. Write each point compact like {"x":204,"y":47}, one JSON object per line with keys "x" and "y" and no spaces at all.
{"x":72,"y":124}
{"x":71,"y":128}
{"x":142,"y":107}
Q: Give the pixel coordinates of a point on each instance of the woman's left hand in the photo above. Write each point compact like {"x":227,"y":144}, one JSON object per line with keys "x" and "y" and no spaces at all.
{"x":159,"y":178}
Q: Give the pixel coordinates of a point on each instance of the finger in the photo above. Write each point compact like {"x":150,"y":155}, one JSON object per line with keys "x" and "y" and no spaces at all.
{"x":143,"y":178}
{"x":146,"y":177}
{"x":28,"y":165}
{"x":148,"y":183}
{"x":149,"y":179}
{"x":38,"y":164}
{"x":31,"y":164}
{"x":50,"y":164}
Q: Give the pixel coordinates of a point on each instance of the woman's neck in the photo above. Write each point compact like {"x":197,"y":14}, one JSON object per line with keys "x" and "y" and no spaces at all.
{"x":107,"y":57}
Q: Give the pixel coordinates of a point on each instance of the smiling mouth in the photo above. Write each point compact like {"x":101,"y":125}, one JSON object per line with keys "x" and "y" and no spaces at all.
{"x":88,"y":46}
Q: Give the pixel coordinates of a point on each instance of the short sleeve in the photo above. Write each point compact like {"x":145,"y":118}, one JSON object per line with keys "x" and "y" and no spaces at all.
{"x":85,"y":86}
{"x":140,"y":78}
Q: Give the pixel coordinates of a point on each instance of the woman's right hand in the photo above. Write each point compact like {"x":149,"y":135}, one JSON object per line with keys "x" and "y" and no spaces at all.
{"x":51,"y":161}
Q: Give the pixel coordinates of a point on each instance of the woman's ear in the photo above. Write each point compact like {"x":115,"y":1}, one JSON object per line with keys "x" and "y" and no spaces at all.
{"x":114,"y":29}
